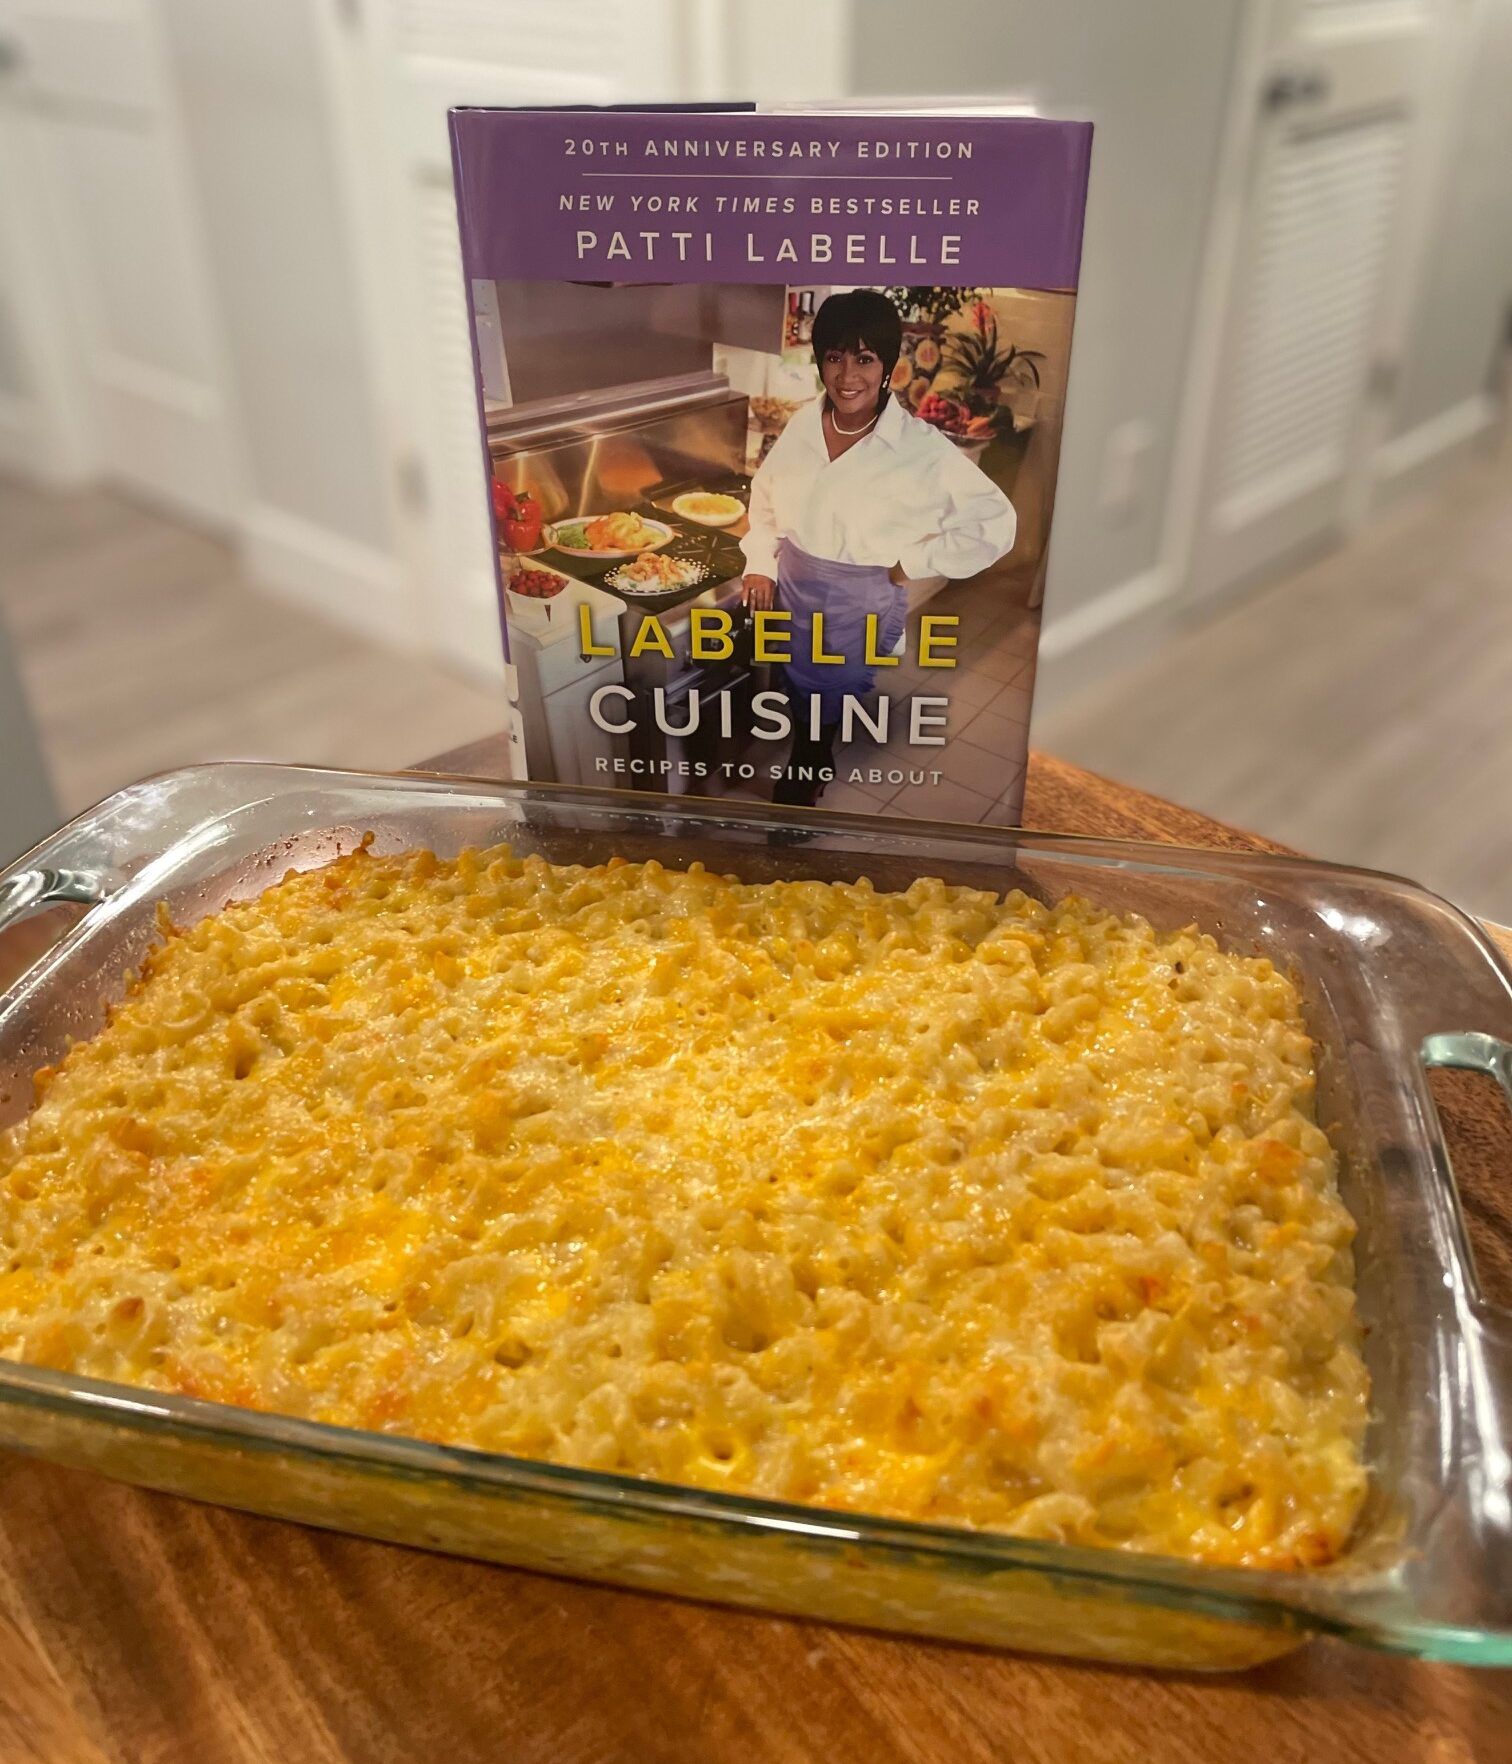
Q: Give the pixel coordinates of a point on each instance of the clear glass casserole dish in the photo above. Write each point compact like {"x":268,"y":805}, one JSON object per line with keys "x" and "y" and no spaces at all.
{"x":1394,"y":980}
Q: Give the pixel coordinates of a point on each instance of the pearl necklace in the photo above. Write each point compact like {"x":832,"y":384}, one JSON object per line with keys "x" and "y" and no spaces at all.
{"x":834,"y":424}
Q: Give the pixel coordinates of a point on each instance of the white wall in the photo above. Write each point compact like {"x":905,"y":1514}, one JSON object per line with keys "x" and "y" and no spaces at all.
{"x":264,"y":160}
{"x":15,"y":382}
{"x":1461,"y":310}
{"x":1154,"y":78}
{"x":27,"y":809}
{"x":17,"y":392}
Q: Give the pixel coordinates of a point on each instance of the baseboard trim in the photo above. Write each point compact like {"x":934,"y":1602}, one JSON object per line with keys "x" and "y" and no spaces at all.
{"x":1130,"y":600}
{"x":1107,"y":633}
{"x":1411,"y":461}
{"x":357,"y":585}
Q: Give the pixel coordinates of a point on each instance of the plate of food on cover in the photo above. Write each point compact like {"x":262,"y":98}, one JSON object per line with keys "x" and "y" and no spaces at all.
{"x":652,"y":573}
{"x":710,"y":508}
{"x":609,"y":535}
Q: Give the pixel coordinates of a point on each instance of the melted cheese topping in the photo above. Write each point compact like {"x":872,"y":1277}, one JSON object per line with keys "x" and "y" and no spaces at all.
{"x":930,"y":1204}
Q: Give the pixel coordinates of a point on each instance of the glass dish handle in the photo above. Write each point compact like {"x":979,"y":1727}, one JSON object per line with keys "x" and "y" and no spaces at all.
{"x":1482,"y":1557}
{"x":29,"y":891}
{"x":1474,"y":1052}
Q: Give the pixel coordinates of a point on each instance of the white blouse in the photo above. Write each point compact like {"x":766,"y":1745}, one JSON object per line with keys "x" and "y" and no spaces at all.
{"x":902,"y":495}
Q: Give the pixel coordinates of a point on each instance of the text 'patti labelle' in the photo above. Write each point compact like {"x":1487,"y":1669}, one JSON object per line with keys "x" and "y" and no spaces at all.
{"x":654,"y":245}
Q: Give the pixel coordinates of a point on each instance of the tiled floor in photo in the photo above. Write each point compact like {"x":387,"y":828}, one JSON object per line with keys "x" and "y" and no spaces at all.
{"x":990,"y":690}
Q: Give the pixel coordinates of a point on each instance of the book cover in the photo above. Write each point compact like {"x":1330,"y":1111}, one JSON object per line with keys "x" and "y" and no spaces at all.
{"x":772,"y":406}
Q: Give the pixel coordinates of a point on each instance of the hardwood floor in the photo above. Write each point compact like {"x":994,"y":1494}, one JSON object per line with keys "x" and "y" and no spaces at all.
{"x":1359,"y":709}
{"x":141,"y":648}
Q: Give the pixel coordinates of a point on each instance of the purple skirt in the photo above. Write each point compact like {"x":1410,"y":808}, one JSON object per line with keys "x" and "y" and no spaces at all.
{"x":847,"y":594}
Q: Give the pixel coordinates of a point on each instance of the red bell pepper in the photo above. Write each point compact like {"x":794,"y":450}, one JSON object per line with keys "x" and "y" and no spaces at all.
{"x":522,"y":524}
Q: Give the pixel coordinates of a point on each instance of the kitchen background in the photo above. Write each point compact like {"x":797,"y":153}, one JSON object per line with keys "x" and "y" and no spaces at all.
{"x":241,"y":503}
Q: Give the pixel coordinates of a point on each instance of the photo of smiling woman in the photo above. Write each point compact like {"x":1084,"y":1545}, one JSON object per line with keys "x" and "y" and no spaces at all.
{"x":856,"y":499}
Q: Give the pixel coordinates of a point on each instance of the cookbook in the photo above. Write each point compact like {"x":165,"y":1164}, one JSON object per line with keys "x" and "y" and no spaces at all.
{"x":769,"y":522}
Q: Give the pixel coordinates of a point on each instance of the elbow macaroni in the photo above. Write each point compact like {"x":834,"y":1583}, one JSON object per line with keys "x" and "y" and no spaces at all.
{"x":930,"y":1204}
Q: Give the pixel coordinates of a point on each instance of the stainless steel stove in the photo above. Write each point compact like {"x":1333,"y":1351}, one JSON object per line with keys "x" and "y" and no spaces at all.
{"x":679,"y":679}
{"x":641,"y":463}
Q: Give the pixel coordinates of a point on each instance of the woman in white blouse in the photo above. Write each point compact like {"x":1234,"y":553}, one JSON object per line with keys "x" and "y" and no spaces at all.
{"x":855,"y":499}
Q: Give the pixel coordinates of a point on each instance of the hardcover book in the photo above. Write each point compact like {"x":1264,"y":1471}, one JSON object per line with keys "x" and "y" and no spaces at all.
{"x":772,"y":522}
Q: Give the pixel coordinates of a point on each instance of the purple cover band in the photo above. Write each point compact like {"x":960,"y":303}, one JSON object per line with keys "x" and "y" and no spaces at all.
{"x":656,"y":197}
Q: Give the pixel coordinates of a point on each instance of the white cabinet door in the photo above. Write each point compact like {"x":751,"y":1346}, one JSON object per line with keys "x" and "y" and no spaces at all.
{"x":397,"y":66}
{"x":41,"y":415}
{"x":1343,"y":88}
{"x":101,"y":207}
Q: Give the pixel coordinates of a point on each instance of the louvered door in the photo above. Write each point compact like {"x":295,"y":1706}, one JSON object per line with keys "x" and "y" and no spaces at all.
{"x":1341,"y":98}
{"x":418,"y":58}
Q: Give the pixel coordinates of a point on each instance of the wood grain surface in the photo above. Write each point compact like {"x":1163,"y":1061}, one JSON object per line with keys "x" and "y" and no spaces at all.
{"x":138,"y":1627}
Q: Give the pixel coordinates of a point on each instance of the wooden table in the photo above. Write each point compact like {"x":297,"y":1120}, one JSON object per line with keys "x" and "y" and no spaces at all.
{"x":139,"y":1627}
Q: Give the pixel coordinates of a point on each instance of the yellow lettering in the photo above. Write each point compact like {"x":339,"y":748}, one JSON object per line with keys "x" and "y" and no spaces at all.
{"x":586,"y":645}
{"x":873,"y":660}
{"x":929,"y":641}
{"x":771,"y":622}
{"x":651,"y":636}
{"x":816,"y":646}
{"x":711,"y":634}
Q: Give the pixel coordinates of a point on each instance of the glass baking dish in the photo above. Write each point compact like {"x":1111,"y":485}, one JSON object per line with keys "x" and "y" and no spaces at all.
{"x":1393,"y":979}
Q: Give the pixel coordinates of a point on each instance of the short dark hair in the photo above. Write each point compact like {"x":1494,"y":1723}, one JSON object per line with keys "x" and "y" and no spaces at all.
{"x":861,"y":319}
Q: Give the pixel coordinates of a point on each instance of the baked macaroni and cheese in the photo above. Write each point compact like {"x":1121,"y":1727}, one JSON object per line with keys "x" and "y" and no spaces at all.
{"x":933,"y":1204}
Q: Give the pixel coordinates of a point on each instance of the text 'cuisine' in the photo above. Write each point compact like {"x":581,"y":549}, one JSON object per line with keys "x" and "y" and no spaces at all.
{"x":612,"y":709}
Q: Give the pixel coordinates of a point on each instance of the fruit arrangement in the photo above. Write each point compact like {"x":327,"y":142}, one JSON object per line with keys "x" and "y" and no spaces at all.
{"x":945,"y":413}
{"x":954,"y":417}
{"x":990,"y":388}
{"x":917,"y":365}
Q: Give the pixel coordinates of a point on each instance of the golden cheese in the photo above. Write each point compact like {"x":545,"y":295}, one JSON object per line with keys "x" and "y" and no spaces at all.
{"x":932,"y":1204}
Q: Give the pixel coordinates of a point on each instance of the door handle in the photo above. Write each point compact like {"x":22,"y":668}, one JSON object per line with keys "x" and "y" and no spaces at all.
{"x":1289,"y":87}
